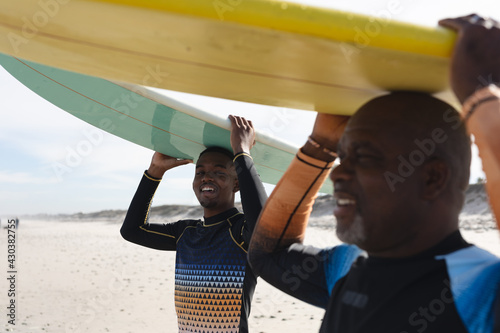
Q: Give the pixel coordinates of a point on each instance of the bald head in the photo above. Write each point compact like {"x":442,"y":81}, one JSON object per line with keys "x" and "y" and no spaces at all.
{"x":419,"y":122}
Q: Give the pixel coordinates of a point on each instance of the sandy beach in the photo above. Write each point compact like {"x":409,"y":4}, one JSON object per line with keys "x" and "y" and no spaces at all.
{"x":83,"y":277}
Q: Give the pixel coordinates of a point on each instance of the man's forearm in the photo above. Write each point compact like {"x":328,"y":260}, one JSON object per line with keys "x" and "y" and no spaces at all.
{"x":137,"y":213}
{"x":285,"y":215}
{"x":253,"y":194}
{"x":136,"y":228}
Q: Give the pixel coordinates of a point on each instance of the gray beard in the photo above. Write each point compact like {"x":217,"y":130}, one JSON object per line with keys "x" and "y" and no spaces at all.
{"x":354,"y":234}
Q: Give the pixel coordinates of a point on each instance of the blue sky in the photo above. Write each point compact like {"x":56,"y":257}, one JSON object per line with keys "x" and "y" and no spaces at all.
{"x":36,"y":138}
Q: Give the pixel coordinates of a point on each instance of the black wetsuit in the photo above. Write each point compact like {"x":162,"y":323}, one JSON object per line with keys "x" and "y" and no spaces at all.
{"x":213,"y":282}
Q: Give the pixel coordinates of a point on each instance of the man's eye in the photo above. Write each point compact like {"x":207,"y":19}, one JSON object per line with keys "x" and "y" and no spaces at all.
{"x":364,"y":156}
{"x":368,"y":157}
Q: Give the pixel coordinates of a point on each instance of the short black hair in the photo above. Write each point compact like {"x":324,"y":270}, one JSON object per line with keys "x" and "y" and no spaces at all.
{"x":217,"y":149}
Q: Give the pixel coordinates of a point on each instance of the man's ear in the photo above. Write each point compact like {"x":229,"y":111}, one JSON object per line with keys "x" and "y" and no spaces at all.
{"x":236,"y":187}
{"x":436,"y":176}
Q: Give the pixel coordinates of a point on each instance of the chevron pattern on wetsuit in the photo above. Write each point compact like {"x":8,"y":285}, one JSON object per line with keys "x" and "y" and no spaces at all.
{"x":209,"y":288}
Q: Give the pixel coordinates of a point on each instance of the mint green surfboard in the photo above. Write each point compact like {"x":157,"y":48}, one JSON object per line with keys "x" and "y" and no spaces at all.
{"x":142,"y":116}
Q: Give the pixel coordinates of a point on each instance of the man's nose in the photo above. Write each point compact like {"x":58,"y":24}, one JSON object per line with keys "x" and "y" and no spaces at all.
{"x":207,"y":176}
{"x":343,"y":171}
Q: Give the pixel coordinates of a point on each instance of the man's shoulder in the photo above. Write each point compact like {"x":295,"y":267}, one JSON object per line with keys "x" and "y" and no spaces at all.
{"x":189,"y":221}
{"x":338,"y":261}
{"x":185,"y":223}
{"x":470,"y":256}
{"x":343,"y":250}
{"x":236,"y":216}
{"x":469,"y":267}
{"x":474,"y":278}
{"x":472,"y":264}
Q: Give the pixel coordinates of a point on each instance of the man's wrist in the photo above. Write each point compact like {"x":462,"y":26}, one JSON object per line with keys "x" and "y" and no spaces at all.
{"x":320,"y":150}
{"x":155,"y":172}
{"x":240,"y":149}
{"x":147,"y":175}
{"x":242,"y":153}
{"x":484,"y":95}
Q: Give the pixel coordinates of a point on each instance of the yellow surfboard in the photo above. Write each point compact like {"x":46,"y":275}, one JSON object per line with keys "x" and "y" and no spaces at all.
{"x":260,"y":51}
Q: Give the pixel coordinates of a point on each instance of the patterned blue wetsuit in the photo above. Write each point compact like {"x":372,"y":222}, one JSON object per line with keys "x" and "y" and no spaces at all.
{"x":213,"y":281}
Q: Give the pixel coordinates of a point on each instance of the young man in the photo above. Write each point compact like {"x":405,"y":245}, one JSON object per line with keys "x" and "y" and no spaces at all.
{"x":399,"y":187}
{"x":213,"y":281}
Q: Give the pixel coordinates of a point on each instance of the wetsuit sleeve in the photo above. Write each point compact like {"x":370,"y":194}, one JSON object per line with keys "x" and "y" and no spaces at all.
{"x":138,"y":230}
{"x":484,"y":124}
{"x":276,"y":252}
{"x":253,"y":194}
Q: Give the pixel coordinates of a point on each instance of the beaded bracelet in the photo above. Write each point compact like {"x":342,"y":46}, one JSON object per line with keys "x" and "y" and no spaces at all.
{"x":474,"y":106}
{"x":487,"y":94}
{"x":317,"y":145}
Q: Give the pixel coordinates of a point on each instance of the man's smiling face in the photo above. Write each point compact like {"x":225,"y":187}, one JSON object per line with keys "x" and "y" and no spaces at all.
{"x":215,"y":183}
{"x":402,"y":218}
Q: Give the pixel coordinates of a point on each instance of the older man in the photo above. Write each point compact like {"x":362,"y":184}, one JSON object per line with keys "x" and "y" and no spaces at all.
{"x":399,"y":188}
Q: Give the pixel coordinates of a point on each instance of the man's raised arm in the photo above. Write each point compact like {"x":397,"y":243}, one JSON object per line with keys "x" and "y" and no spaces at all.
{"x":136,"y":228}
{"x":475,"y":79}
{"x":276,"y":250}
{"x":253,"y":194}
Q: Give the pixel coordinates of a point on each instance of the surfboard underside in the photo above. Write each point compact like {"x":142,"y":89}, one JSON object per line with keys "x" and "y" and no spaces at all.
{"x":238,"y":53}
{"x":139,"y":116}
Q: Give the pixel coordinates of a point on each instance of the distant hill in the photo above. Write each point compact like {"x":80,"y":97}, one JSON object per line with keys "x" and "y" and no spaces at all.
{"x":164,"y":213}
{"x":476,"y":214}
